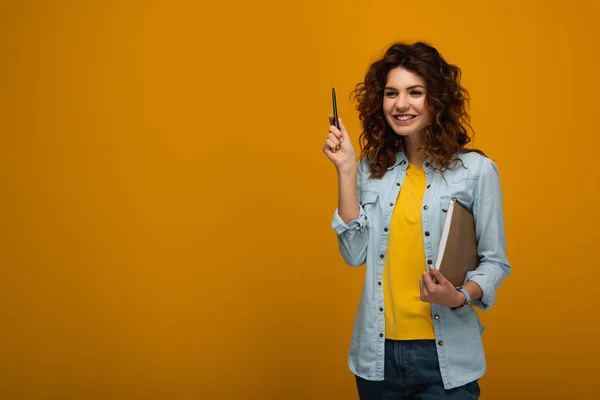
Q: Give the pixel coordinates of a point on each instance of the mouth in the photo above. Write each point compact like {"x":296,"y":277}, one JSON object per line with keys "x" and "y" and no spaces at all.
{"x":404,"y":117}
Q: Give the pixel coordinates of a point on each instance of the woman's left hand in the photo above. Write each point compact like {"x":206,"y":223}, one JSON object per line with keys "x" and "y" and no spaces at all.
{"x":441,"y":292}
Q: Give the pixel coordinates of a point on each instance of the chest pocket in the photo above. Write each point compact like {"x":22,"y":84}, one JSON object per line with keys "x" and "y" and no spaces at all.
{"x":445,"y":202}
{"x":369,"y":201}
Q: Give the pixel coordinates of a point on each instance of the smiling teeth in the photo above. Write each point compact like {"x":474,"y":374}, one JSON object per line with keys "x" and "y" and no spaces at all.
{"x":404,"y":117}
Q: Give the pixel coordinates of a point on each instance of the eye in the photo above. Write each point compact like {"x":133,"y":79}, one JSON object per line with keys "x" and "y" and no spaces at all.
{"x":416,"y":93}
{"x":389,"y":94}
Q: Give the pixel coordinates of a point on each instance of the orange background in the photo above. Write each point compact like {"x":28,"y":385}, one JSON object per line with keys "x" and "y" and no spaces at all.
{"x":165,"y":205}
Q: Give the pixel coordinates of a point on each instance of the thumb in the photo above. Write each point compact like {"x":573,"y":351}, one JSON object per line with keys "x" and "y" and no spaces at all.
{"x":439,"y":277}
{"x":343,"y":130}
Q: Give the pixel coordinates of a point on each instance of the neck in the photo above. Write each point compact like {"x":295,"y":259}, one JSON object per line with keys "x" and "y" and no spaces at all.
{"x":411,"y":147}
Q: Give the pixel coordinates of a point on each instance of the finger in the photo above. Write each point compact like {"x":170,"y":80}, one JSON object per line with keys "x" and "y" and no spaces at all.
{"x":428,"y":283}
{"x":331,"y":122}
{"x":439,"y":277}
{"x":331,"y":117}
{"x":331,"y":145}
{"x":337,"y":142}
{"x":335,"y":131}
{"x":426,"y":292}
{"x":329,"y":152}
{"x":334,"y":139}
{"x":421,"y":290}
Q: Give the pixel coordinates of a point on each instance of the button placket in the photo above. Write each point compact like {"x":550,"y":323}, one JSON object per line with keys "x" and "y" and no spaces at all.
{"x":426,"y":220}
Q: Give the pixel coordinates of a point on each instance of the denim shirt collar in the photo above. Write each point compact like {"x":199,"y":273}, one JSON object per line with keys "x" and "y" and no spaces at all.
{"x":402,"y":161}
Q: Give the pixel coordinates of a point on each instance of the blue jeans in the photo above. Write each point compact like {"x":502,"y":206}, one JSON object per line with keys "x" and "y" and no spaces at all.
{"x":412,"y":371}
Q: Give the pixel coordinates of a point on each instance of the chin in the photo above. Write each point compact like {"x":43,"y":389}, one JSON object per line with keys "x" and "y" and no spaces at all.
{"x":404,"y":132}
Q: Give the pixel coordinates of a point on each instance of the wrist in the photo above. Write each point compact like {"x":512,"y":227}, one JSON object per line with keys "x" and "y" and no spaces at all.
{"x":460,"y":299}
{"x":463,"y":296}
{"x":347,"y":170}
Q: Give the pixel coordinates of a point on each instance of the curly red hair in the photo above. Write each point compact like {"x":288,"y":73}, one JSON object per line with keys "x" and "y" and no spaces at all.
{"x":445,"y":136}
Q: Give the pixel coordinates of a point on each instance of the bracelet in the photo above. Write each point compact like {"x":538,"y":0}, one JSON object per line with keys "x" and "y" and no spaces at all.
{"x":467,"y":297}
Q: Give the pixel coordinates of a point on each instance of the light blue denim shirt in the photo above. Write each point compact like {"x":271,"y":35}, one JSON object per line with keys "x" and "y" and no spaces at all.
{"x":364,"y":240}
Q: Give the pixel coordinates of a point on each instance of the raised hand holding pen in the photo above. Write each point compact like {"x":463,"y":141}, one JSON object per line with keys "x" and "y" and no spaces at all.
{"x":338,"y":146}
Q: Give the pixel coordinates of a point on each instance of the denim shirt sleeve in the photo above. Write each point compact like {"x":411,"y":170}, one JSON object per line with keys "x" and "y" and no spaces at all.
{"x":489,"y":226}
{"x":353,"y":237}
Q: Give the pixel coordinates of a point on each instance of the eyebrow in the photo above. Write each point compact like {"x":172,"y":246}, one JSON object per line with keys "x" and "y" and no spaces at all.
{"x":408,"y":88}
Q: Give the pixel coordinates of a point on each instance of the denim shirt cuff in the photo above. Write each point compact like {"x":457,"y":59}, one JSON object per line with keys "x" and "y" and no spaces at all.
{"x":358,"y":224}
{"x":489,"y":292}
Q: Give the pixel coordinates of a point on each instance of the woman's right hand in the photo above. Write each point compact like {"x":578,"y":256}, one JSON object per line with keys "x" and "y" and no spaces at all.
{"x":338,"y":147}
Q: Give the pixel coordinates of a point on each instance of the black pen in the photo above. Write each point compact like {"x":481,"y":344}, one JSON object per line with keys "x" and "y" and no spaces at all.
{"x":335,"y":113}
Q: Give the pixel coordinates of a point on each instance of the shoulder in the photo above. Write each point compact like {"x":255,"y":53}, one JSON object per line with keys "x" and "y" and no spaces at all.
{"x":483,"y":170}
{"x":478,"y":163}
{"x":470,"y":166}
{"x":363,"y":165}
{"x":471,"y":158}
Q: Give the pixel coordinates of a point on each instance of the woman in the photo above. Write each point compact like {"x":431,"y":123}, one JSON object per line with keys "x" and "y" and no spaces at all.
{"x":415,"y":335}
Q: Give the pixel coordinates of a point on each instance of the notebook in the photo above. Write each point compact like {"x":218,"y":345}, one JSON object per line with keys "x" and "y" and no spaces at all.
{"x":457,"y":252}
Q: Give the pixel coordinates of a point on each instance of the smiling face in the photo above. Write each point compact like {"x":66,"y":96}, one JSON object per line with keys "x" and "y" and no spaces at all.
{"x":404,"y":104}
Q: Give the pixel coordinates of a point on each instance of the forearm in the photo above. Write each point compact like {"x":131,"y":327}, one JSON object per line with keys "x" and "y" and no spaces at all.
{"x":493,"y":264}
{"x":473,"y":289}
{"x":348,"y":207}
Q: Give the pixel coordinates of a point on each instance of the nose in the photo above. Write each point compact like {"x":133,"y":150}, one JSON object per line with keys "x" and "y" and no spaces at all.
{"x":402,"y":103}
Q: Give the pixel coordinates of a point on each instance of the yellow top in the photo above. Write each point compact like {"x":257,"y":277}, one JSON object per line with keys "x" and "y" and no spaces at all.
{"x":406,"y":316}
